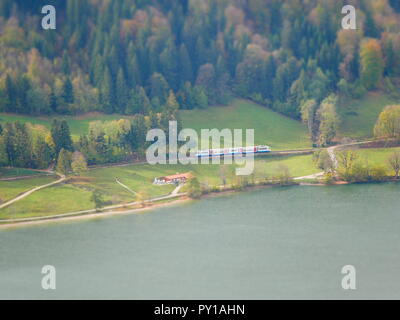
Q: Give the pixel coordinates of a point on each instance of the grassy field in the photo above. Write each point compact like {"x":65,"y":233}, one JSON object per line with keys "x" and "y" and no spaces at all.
{"x":56,"y":199}
{"x":271,"y":128}
{"x":11,"y":189}
{"x":377,"y":156}
{"x":75,"y":194}
{"x":358,"y":117}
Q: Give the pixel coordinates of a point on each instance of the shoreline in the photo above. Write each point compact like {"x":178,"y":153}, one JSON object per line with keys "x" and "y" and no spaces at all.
{"x":95,"y":215}
{"x":105,"y":214}
{"x":159,"y":204}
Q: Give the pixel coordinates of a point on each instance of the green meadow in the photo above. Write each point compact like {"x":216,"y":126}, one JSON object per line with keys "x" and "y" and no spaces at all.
{"x":270,"y":128}
{"x":11,"y":189}
{"x":377,"y":156}
{"x":358,"y":117}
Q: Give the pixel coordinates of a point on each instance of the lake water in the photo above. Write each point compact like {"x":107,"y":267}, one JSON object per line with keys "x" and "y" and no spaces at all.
{"x":266,"y":244}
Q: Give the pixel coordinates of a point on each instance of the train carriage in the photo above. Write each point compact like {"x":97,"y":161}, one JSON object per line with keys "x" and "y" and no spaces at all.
{"x":232,"y":151}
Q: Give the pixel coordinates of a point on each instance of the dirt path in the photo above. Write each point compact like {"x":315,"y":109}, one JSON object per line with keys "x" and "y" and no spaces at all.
{"x":332,"y":155}
{"x":27,"y":193}
{"x":125,"y":186}
{"x":311,"y":176}
{"x":176,"y":190}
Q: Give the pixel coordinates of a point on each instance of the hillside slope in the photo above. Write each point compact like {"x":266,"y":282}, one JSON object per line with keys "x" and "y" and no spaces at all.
{"x":358,"y":117}
{"x":270,"y":128}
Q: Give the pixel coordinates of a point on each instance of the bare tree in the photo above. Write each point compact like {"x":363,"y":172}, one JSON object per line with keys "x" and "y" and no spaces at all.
{"x":346,"y":160}
{"x":394,"y":162}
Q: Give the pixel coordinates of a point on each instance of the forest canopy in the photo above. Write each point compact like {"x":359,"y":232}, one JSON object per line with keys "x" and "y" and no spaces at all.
{"x":127,"y":56}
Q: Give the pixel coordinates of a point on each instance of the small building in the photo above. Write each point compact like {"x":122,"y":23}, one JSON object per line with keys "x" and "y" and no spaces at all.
{"x":174,"y":179}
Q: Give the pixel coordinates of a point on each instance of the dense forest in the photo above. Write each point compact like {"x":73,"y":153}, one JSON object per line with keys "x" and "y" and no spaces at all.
{"x":124,"y":56}
{"x":152,"y":58}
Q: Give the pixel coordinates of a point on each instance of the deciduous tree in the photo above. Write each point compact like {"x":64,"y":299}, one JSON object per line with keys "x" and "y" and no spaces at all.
{"x":394,"y":163}
{"x":64,"y":162}
{"x":79,"y":164}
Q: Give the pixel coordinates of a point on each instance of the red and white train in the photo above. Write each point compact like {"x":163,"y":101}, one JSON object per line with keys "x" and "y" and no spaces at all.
{"x":232,"y":151}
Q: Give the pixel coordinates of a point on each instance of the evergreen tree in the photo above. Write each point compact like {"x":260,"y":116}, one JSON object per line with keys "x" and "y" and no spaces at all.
{"x":42,"y":153}
{"x":108,"y":97}
{"x":199,"y":98}
{"x":11,"y":95}
{"x":97,"y":199}
{"x":159,"y":88}
{"x":122,"y":95}
{"x":68,"y":91}
{"x":185,"y":66}
{"x":169,"y":64}
{"x":65,"y":65}
{"x":154,"y":121}
{"x":61,"y":136}
{"x":53,"y":101}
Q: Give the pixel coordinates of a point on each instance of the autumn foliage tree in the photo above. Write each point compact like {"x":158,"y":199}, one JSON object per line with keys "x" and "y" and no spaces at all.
{"x":388,"y":124}
{"x":372,"y":63}
{"x":328,"y":120}
{"x":79,"y":164}
{"x":64,"y":162}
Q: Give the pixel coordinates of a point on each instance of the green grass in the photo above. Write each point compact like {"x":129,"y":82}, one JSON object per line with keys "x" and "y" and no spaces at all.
{"x":377,"y":156}
{"x":138,"y":178}
{"x":78,"y":125}
{"x":53,"y":200}
{"x":17,"y":172}
{"x":11,"y":189}
{"x":75,"y":194}
{"x":358,"y":117}
{"x":298,"y":166}
{"x":271,"y":128}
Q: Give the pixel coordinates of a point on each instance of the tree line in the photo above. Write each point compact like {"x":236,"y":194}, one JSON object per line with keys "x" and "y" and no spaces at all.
{"x":34,"y":146}
{"x":352,"y":167}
